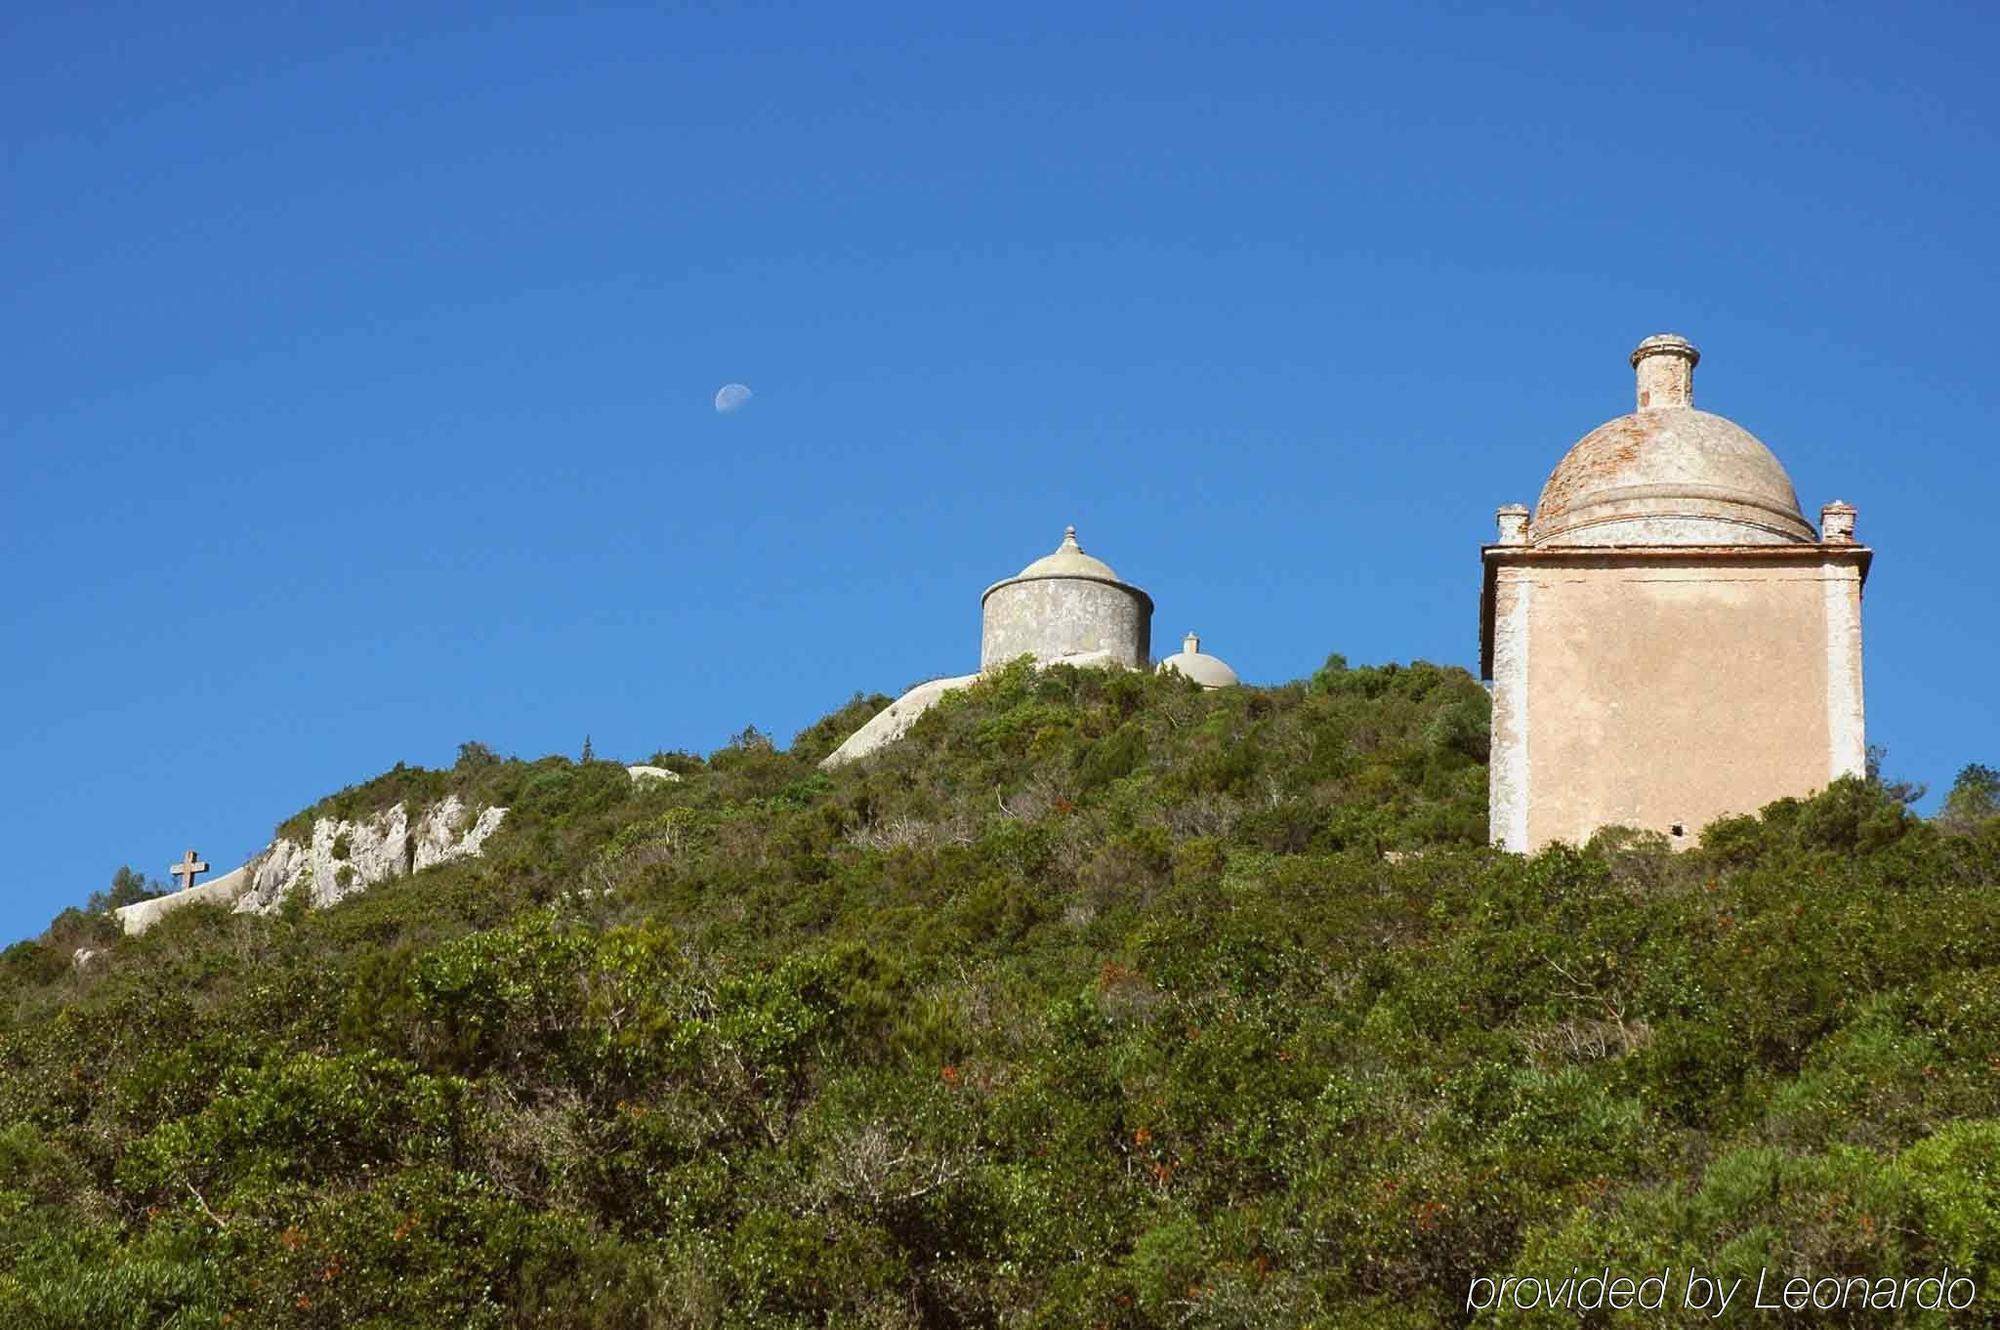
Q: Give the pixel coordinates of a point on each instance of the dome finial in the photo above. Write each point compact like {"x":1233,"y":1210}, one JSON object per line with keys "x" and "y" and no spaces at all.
{"x":1069,"y":560}
{"x":1665,"y":363}
{"x":1191,"y":643}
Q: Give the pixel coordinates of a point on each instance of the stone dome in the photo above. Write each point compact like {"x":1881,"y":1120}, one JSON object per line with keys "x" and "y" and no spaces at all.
{"x":1668,"y":474}
{"x":1069,"y":560}
{"x":1192,"y":663}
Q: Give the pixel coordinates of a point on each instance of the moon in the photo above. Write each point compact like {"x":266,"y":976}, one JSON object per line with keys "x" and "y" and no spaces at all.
{"x":730,"y":398}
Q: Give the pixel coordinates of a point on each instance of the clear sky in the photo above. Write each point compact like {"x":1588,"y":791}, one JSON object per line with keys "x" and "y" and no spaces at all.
{"x":358,"y":394}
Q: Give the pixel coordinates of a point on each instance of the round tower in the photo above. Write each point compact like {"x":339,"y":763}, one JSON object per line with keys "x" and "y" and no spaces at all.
{"x":1066,"y":606}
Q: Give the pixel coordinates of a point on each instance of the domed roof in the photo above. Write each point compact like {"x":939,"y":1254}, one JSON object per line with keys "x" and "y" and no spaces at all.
{"x":1668,"y":474}
{"x":1069,"y":560}
{"x":1203,"y":669}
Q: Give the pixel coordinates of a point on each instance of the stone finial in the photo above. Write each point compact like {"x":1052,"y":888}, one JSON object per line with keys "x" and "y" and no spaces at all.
{"x":1190,"y":644}
{"x":1836,"y":523}
{"x":1513,"y":520}
{"x":1069,"y":539}
{"x":1665,"y":362}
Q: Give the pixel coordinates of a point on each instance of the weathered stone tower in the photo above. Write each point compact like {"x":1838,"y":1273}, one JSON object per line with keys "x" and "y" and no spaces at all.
{"x":1667,"y":637}
{"x":1062,"y":606}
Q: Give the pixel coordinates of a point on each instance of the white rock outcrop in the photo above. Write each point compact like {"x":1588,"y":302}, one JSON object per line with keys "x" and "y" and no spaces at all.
{"x":893,"y":721}
{"x":348,"y":857}
{"x":341,"y":859}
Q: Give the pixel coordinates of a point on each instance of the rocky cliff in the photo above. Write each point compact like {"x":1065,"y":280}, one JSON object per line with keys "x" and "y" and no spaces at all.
{"x":346,"y":857}
{"x":342,"y":857}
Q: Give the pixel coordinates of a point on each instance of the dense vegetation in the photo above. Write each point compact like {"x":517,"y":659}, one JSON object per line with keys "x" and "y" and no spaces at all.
{"x":1099,"y":1001}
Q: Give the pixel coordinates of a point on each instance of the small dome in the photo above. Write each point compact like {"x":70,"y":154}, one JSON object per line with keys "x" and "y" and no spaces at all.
{"x":1193,"y":664}
{"x":1069,"y":560}
{"x":1668,"y":474}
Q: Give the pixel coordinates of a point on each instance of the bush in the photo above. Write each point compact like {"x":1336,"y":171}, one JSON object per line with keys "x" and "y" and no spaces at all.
{"x":1099,"y":1000}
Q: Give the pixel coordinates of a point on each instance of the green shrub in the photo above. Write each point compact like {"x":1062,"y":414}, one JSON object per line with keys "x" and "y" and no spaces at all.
{"x":1098,"y":1000}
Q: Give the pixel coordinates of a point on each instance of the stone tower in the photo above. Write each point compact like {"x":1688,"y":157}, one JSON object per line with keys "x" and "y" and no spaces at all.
{"x":1066,"y":606}
{"x":1667,"y":637}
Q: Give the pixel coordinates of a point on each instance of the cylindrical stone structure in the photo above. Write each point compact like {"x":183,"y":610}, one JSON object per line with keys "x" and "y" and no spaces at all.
{"x":1665,"y":362}
{"x":1066,"y":605}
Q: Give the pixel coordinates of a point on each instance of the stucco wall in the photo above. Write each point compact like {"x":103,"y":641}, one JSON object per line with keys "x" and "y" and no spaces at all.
{"x":1049,"y":618}
{"x":1507,"y":772}
{"x":1655,"y":693}
{"x":1846,"y":723}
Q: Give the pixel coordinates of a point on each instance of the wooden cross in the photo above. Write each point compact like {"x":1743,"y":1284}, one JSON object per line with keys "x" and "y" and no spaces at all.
{"x":187,"y":868}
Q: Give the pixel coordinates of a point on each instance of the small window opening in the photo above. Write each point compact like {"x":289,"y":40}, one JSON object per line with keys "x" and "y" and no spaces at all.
{"x":1679,"y":829}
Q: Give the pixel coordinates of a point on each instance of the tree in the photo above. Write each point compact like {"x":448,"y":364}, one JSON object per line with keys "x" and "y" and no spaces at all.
{"x":128,"y":887}
{"x":1902,"y":791}
{"x":1974,"y":799}
{"x":473,"y":755}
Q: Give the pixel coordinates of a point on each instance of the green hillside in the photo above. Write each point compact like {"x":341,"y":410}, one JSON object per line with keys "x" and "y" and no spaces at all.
{"x":1099,"y":1001}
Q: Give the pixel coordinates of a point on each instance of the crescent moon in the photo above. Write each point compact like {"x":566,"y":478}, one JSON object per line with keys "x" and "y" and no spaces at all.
{"x":730,"y":397}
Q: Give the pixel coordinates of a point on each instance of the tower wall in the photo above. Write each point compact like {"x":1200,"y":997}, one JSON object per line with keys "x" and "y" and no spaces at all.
{"x":1052,"y":617}
{"x":1664,"y":689}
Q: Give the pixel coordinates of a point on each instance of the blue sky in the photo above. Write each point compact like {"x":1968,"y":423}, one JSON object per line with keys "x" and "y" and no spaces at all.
{"x":358,"y":390}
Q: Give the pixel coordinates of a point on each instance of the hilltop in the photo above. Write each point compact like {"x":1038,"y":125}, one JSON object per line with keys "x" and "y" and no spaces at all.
{"x":1098,"y":1000}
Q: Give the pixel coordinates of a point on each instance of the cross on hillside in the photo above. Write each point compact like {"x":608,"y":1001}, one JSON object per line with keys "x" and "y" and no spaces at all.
{"x":187,"y":868}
